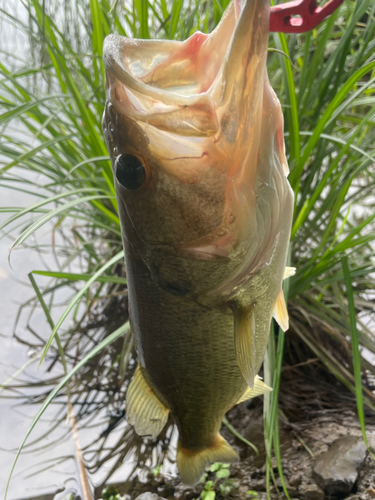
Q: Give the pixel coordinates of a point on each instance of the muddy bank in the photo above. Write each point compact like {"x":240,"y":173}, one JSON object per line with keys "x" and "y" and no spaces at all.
{"x":323,"y":454}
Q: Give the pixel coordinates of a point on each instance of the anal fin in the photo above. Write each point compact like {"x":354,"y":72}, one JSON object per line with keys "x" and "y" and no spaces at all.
{"x":144,"y":411}
{"x":259,"y":388}
{"x":280,"y":312}
{"x":244,"y":339}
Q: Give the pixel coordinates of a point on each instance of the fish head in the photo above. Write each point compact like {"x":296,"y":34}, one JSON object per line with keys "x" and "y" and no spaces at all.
{"x":194,"y":130}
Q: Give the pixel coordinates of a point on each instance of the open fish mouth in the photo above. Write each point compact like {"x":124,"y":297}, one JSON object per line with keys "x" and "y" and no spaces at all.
{"x":184,"y":87}
{"x":201,"y":117}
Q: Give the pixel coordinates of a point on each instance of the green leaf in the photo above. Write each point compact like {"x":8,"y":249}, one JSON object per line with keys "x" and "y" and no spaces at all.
{"x":208,"y":495}
{"x":216,"y":466}
{"x":208,"y":485}
{"x":222,"y":473}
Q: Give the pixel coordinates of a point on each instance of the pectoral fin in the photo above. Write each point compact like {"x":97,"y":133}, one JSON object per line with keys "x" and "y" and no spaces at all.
{"x":259,"y":388}
{"x":144,"y":411}
{"x":280,"y":312}
{"x":244,"y":339}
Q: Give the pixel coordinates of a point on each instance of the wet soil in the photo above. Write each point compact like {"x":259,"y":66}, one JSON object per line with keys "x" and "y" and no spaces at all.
{"x":325,"y":413}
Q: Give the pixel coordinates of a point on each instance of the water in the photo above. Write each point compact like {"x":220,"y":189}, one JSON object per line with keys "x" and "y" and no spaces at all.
{"x":15,"y":289}
{"x":15,"y":418}
{"x":48,"y":463}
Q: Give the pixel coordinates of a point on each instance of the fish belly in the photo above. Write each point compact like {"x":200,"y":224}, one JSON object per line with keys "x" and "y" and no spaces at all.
{"x":187,"y":355}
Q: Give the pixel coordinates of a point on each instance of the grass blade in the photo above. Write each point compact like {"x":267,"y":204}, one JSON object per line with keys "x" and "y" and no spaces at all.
{"x":82,"y":277}
{"x":63,"y":208}
{"x":355,"y":348}
{"x":77,"y":298}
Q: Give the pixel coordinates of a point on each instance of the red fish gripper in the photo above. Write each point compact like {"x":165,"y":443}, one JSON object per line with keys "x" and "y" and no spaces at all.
{"x":299,"y":16}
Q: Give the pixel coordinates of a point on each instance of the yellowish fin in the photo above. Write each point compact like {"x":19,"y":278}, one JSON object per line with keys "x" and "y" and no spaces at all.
{"x":289,"y":271}
{"x":144,"y":411}
{"x":259,"y":388}
{"x":191,"y":463}
{"x":280,"y":312}
{"x":244,"y":339}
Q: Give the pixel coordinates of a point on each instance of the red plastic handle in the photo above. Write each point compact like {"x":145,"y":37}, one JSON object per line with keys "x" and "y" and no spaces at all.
{"x":300,"y":16}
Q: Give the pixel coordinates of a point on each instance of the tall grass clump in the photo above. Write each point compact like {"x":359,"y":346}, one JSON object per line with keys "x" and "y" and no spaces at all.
{"x":326,"y":85}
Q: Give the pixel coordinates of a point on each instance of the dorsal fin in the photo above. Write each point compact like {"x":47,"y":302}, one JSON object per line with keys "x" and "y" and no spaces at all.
{"x":259,"y":388}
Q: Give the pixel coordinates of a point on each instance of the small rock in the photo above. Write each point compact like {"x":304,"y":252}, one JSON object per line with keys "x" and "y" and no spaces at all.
{"x":292,"y":491}
{"x":258,"y":485}
{"x":336,"y":470}
{"x":256,"y":473}
{"x":262,"y":496}
{"x":296,"y":479}
{"x":312,"y":492}
{"x":149,"y":496}
{"x":166,"y":490}
{"x":186,"y":495}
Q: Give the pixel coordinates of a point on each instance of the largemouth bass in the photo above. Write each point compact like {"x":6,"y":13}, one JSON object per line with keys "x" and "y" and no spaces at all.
{"x":195,"y":136}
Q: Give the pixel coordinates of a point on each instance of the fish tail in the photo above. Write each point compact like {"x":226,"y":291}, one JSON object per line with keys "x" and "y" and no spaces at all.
{"x":191,"y":463}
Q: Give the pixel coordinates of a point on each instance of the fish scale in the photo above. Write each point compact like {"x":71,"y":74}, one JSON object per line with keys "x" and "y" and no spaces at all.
{"x":181,"y":331}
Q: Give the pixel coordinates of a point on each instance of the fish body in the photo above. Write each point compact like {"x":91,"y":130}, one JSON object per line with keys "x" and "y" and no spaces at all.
{"x":195,"y":135}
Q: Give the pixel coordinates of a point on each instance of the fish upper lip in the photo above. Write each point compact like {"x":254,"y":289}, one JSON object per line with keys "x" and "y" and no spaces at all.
{"x":114,"y":46}
{"x":138,"y":74}
{"x":147,"y":103}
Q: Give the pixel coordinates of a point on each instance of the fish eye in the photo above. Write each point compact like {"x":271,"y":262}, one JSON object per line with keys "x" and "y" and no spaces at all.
{"x":130,"y":171}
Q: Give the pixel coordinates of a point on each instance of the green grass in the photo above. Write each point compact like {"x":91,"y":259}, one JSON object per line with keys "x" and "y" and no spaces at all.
{"x":328,"y":97}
